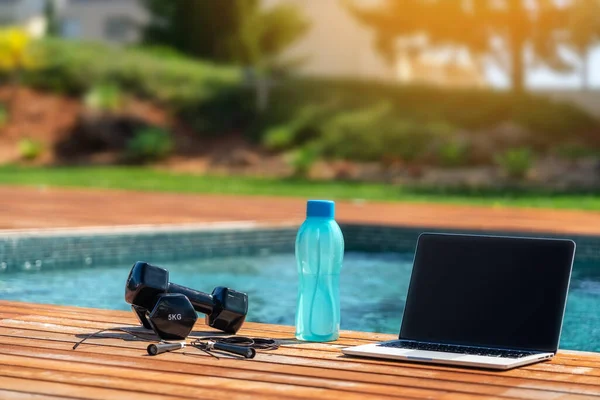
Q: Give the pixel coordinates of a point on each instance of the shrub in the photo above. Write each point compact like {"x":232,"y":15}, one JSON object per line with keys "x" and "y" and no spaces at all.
{"x":376,"y":134}
{"x":575,"y":151}
{"x":471,"y":110}
{"x":413,"y":141}
{"x":355,"y":135}
{"x":76,"y":67}
{"x":104,"y":97}
{"x":3,"y":115}
{"x":214,"y":98}
{"x":149,"y":144}
{"x":453,"y":153}
{"x":202,"y":93}
{"x":516,"y":163}
{"x":30,"y":149}
{"x":302,"y":160}
{"x":307,"y":125}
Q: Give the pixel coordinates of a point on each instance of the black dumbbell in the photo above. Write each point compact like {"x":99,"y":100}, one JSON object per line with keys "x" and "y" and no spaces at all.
{"x":225,"y":308}
{"x":172,"y":317}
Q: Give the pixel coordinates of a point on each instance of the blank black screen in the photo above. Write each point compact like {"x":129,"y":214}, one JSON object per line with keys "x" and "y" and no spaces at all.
{"x":488,"y":291}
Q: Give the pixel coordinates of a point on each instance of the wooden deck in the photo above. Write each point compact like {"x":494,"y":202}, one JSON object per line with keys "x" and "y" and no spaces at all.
{"x":37,"y":362}
{"x":32,"y":208}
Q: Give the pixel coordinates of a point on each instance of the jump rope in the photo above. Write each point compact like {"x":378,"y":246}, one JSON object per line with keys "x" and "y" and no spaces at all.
{"x":239,"y":345}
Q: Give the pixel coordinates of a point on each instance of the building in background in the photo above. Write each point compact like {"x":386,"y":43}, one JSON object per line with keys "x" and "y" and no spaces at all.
{"x":116,"y":21}
{"x":106,"y":20}
{"x":26,"y":13}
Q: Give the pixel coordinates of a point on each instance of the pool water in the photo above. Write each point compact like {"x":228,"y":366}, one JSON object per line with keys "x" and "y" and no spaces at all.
{"x":373,"y":290}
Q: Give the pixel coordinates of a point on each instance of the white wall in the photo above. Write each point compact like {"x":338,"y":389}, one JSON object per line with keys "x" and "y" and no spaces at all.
{"x":89,"y":19}
{"x":336,"y":45}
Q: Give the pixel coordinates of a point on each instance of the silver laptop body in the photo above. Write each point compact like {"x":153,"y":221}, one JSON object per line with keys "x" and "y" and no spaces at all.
{"x":481,"y":301}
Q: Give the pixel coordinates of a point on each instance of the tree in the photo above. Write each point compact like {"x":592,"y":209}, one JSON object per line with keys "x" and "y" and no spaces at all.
{"x":52,"y":26}
{"x":232,"y":31}
{"x":501,"y":29}
{"x":584,"y":28}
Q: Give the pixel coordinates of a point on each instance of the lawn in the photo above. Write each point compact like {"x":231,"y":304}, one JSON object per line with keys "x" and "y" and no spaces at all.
{"x":146,"y":179}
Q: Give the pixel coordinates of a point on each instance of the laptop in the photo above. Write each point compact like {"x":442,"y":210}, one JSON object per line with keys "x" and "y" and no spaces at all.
{"x":481,"y":301}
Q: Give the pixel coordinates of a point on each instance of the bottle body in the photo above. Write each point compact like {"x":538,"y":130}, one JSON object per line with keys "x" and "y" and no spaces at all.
{"x":319,"y":256}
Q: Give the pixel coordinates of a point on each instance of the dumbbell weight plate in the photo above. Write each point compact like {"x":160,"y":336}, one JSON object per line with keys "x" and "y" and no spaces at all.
{"x":173,"y":317}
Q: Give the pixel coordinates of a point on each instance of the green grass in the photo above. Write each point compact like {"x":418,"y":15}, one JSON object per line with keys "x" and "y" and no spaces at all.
{"x":153,"y":180}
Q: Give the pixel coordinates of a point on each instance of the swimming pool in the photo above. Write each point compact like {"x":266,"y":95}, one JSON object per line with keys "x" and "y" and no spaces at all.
{"x":373,"y":290}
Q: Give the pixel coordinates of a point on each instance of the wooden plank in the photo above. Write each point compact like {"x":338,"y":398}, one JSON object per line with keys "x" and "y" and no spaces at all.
{"x":218,"y":378}
{"x":180,"y":386}
{"x":383,"y":375}
{"x":65,"y":390}
{"x":577,"y":359}
{"x":306,"y":349}
{"x":27,"y":325}
{"x":39,"y":337}
{"x":318,"y":382}
{"x":557,"y":366}
{"x":8,"y":315}
{"x":569,"y":358}
{"x":356,"y":382}
{"x":13,"y":395}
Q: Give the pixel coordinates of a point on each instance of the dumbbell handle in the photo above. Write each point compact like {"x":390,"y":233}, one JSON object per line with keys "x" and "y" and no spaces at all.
{"x":202,"y":302}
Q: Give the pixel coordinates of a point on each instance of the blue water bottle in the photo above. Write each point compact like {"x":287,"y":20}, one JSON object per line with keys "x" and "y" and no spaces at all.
{"x":319,"y":255}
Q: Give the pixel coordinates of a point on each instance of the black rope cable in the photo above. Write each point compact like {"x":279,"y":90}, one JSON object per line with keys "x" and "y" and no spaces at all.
{"x":150,"y":336}
{"x":198,"y":343}
{"x":243,"y":341}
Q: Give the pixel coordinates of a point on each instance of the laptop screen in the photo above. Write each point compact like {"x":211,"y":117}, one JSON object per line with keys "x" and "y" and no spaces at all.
{"x":488,"y":291}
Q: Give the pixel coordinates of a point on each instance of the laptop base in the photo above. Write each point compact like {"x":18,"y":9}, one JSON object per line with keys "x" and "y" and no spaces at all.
{"x":375,"y":350}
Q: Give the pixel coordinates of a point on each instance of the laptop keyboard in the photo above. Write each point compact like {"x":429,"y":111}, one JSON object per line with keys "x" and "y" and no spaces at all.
{"x":476,"y":351}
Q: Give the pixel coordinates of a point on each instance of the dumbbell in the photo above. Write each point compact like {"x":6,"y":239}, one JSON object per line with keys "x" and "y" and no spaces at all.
{"x":172,"y":317}
{"x":147,"y":286}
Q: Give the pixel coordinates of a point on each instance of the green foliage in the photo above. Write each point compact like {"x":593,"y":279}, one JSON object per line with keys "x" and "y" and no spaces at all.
{"x":276,"y":29}
{"x":75,"y":67}
{"x":3,"y":115}
{"x":517,"y":162}
{"x":153,"y":180}
{"x":300,"y":129}
{"x":191,"y":89}
{"x":356,"y":135}
{"x":150,"y":144}
{"x":52,"y":24}
{"x":369,"y":134}
{"x":453,"y":153}
{"x":376,"y":134}
{"x":576,"y":151}
{"x":233,"y":31}
{"x":211,"y":98}
{"x":302,"y":160}
{"x":104,"y":97}
{"x":30,"y":149}
{"x":472,"y":110}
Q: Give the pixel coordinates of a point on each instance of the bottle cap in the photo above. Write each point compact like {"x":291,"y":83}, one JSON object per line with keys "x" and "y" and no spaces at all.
{"x":320,"y":208}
